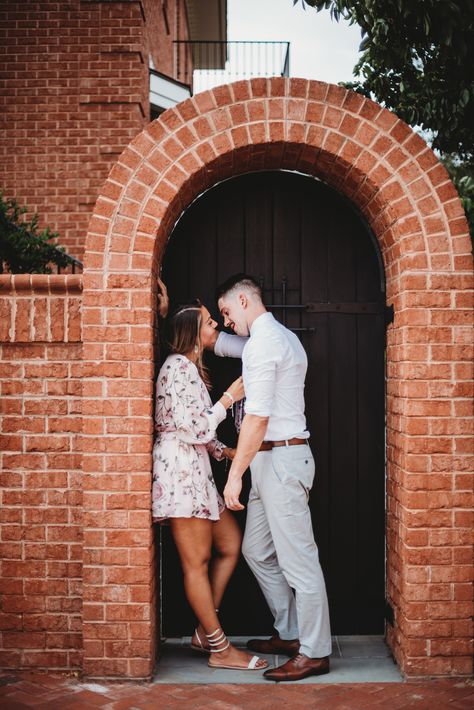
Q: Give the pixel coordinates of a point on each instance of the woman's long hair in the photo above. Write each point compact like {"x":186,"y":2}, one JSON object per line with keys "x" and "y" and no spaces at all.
{"x":184,"y":335}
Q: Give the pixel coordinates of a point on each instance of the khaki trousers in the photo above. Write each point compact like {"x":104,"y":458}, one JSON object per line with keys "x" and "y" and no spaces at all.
{"x":279,"y":547}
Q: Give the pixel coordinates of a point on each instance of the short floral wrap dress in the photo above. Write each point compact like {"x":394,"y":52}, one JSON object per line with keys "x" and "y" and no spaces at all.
{"x":186,"y":423}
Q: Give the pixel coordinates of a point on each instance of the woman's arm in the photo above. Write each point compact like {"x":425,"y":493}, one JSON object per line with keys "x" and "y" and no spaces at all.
{"x":195,"y":422}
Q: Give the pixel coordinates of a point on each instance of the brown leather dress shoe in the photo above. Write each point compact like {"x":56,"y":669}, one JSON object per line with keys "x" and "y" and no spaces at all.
{"x":299,"y":667}
{"x":274,"y":645}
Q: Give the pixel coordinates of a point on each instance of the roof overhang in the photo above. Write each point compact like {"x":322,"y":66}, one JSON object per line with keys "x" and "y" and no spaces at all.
{"x":207,"y":20}
{"x":166,"y":92}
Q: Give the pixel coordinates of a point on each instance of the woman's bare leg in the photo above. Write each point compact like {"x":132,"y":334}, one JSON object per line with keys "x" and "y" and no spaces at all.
{"x":226,"y":541}
{"x":193,"y":538}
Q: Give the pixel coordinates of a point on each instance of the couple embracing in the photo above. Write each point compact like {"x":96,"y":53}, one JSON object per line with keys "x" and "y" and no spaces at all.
{"x":278,"y":543}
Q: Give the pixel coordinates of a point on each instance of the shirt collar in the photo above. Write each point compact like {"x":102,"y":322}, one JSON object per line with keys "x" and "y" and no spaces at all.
{"x":261,"y":322}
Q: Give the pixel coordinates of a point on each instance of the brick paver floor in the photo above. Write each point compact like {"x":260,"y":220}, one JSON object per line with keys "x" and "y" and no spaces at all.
{"x":52,"y":692}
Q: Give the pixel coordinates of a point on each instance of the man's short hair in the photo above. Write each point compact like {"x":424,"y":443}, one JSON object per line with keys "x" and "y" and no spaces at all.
{"x":239,"y":282}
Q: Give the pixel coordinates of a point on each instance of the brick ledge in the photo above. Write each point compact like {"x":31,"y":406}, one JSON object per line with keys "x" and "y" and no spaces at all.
{"x":40,"y":283}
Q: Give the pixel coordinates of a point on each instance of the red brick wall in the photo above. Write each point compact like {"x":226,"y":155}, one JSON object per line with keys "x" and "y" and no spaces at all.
{"x":413,"y":209}
{"x":160,"y":34}
{"x":40,"y":463}
{"x":120,"y":636}
{"x":74,"y":92}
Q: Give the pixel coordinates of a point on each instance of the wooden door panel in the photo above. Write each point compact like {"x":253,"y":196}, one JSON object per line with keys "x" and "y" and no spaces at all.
{"x":342,"y":458}
{"x":293,"y":232}
{"x":259,"y":221}
{"x":314,"y":247}
{"x":371,"y":488}
{"x":317,"y":382}
{"x":230,"y":225}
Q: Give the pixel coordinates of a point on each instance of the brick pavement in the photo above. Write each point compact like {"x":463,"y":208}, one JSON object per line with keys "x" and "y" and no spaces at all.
{"x":52,"y":692}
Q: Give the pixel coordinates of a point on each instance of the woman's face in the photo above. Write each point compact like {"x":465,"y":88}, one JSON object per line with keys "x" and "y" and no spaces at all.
{"x":208,"y":326}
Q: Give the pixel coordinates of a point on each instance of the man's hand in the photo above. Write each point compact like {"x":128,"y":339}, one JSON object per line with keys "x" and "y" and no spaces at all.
{"x":232,"y":492}
{"x":163,"y":299}
{"x":250,"y":438}
{"x":229,"y":453}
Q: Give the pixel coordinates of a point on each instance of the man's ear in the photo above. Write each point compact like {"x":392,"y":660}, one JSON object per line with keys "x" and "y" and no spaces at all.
{"x":243,"y":300}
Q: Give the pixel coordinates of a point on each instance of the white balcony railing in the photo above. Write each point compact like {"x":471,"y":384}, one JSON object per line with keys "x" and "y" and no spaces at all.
{"x":207,"y":64}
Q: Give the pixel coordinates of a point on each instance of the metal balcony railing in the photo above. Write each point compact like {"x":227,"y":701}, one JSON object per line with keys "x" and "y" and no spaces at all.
{"x":205,"y":64}
{"x":73,"y":265}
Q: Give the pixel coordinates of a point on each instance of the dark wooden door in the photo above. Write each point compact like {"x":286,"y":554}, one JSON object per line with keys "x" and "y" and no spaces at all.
{"x":322,"y":276}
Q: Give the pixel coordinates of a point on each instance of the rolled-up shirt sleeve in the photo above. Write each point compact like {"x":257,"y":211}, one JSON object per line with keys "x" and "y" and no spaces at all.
{"x":260,"y":368}
{"x":228,"y":345}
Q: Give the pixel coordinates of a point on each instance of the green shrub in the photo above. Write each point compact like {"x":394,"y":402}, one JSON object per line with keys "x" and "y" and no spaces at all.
{"x":24,"y":249}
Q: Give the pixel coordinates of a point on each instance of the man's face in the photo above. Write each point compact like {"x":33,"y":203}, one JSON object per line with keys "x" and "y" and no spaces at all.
{"x":232,"y":309}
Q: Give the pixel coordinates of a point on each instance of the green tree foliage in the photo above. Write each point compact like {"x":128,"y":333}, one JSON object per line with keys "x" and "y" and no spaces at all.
{"x":462,"y":174}
{"x":417,"y":57}
{"x":24,"y":249}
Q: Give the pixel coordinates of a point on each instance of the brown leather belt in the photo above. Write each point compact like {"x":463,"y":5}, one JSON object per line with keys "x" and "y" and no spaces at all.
{"x":269,"y":445}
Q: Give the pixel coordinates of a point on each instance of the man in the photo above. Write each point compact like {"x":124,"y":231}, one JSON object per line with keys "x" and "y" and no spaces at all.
{"x":278,"y":543}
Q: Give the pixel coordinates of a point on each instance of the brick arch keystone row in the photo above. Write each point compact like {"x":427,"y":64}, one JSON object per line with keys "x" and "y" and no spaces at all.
{"x":396,"y":181}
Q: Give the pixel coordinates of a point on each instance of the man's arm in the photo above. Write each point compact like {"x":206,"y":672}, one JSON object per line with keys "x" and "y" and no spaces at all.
{"x":250,"y":439}
{"x":226,"y":345}
{"x":260,"y":380}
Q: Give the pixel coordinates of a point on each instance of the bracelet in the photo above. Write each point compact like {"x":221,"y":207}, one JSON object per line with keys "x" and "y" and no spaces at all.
{"x":228,"y":394}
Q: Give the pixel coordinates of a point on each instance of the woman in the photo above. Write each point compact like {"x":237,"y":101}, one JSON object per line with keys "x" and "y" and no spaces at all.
{"x":184,"y":491}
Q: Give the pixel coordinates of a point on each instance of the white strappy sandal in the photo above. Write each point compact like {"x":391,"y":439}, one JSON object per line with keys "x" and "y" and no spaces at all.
{"x":217,"y":638}
{"x":199,"y":646}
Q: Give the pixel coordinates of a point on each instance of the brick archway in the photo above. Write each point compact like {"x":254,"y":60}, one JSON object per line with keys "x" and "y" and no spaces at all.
{"x":396,"y":181}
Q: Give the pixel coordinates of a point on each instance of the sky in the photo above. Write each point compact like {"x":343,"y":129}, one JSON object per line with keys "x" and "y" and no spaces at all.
{"x":320,"y":47}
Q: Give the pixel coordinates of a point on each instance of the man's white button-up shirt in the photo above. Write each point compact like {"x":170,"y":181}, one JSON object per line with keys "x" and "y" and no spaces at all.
{"x":274,"y":366}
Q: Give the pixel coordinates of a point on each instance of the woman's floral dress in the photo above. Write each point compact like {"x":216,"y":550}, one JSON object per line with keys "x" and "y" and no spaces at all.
{"x":186,"y":423}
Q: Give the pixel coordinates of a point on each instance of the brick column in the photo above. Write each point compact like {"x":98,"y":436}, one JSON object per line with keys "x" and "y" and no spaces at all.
{"x":40,"y":464}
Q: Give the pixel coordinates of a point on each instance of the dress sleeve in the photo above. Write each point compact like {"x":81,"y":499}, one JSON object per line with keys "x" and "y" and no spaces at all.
{"x":195,"y":422}
{"x":228,"y":345}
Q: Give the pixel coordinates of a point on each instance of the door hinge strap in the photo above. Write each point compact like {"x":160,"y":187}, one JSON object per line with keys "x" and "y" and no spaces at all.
{"x":327,"y":307}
